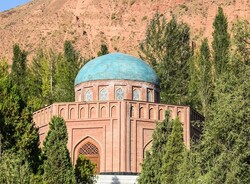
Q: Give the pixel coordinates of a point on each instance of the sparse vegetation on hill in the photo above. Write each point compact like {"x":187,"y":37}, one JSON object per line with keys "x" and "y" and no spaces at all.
{"x":88,"y":24}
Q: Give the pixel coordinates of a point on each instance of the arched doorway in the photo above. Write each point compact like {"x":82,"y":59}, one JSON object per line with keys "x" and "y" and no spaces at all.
{"x":91,"y":151}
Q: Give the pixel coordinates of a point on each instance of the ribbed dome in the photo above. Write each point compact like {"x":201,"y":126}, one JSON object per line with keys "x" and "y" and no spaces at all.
{"x":116,"y":66}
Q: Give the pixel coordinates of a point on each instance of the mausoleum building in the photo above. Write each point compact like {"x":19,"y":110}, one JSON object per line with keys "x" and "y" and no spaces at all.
{"x":116,"y":107}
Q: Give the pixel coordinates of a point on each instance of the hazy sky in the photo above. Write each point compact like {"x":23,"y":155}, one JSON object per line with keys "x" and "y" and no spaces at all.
{"x":8,"y":4}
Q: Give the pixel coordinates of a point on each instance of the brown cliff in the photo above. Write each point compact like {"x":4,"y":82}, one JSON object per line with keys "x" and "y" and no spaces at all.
{"x":121,"y":24}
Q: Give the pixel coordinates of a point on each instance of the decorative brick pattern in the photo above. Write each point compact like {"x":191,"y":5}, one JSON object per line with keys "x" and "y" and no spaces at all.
{"x":89,"y":149}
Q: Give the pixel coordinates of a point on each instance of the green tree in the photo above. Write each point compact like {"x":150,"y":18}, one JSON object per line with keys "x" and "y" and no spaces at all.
{"x":241,"y":41}
{"x":57,"y":164}
{"x":167,"y":49}
{"x":173,"y":156}
{"x":201,"y":83}
{"x":224,"y":149}
{"x":42,"y":79}
{"x":3,"y":76}
{"x":189,"y":169}
{"x":14,"y":169}
{"x":153,"y":161}
{"x":84,"y":170}
{"x":66,"y":71}
{"x":19,"y":70}
{"x":17,"y":129}
{"x":225,"y":146}
{"x":221,"y":43}
{"x":103,"y":51}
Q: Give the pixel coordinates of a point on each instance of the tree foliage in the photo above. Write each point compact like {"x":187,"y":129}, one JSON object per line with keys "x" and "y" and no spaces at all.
{"x":84,"y":170}
{"x":17,"y":129}
{"x":173,"y":156}
{"x":57,"y":164}
{"x":201,"y":79}
{"x":14,"y":169}
{"x":19,"y":70}
{"x":221,"y":43}
{"x":65,"y":73}
{"x":42,"y":79}
{"x":153,"y":161}
{"x":225,"y":146}
{"x":167,"y":49}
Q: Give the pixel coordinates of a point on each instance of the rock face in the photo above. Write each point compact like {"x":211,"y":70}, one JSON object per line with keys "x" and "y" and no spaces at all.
{"x":120,"y":24}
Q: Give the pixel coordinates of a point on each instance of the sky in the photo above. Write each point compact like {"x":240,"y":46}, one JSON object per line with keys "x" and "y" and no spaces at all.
{"x":8,"y":4}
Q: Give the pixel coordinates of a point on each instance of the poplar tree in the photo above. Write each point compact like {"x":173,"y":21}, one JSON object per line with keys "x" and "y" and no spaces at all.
{"x":57,"y":164}
{"x":42,"y":79}
{"x":153,"y":161}
{"x":201,"y":83}
{"x":225,"y":147}
{"x":221,"y":43}
{"x":206,"y":83}
{"x":173,"y":156}
{"x":241,"y":41}
{"x":167,"y":49}
{"x":65,"y":73}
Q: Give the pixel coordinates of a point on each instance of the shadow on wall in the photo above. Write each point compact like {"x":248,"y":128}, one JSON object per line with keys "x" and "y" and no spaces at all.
{"x":115,"y":180}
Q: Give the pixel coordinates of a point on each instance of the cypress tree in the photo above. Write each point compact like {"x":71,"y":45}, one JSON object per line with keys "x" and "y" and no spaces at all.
{"x":189,"y":169}
{"x":19,"y":70}
{"x":151,"y":166}
{"x":57,"y":164}
{"x":221,"y":43}
{"x":167,"y":49}
{"x":14,"y":169}
{"x":173,"y":156}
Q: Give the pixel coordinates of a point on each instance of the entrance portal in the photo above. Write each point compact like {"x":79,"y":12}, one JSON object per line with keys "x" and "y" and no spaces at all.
{"x":91,"y":152}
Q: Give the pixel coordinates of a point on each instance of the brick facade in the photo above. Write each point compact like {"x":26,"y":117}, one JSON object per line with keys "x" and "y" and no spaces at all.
{"x":121,"y":130}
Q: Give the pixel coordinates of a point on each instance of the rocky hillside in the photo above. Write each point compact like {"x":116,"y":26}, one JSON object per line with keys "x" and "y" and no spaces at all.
{"x":120,"y":24}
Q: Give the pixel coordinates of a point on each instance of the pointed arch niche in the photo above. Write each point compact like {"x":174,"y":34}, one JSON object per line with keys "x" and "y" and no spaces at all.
{"x":147,"y":148}
{"x":91,"y":149}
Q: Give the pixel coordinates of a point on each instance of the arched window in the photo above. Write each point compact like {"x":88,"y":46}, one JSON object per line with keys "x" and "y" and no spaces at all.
{"x":91,"y":151}
{"x":79,"y":97}
{"x":151,"y":113}
{"x":88,"y":95}
{"x":119,"y":94}
{"x":149,"y":95}
{"x":136,"y":94}
{"x":141,"y":112}
{"x":113,"y":111}
{"x":132,"y":111}
{"x":103,"y":111}
{"x":104,"y":94}
{"x":161,"y":117}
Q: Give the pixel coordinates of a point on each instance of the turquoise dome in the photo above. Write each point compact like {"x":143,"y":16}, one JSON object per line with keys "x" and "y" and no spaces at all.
{"x":116,"y":66}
